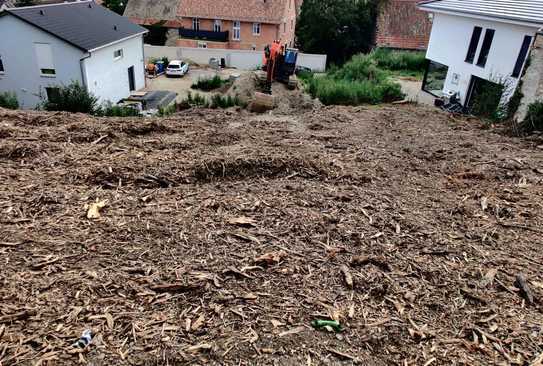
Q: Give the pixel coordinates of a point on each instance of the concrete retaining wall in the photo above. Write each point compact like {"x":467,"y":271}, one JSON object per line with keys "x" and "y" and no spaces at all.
{"x":532,"y":82}
{"x":240,"y":59}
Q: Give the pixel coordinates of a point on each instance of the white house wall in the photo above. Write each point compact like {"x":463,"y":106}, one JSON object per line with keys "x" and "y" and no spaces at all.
{"x":22,"y":74}
{"x":449,"y":42}
{"x":107,"y":78}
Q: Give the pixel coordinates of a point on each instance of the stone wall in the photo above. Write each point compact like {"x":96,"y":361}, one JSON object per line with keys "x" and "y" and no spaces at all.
{"x":532,"y":82}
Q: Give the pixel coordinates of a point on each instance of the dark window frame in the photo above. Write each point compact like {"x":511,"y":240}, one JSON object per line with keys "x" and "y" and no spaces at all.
{"x":485,"y":48}
{"x":522,"y":56}
{"x":53,"y":93}
{"x":2,"y":69}
{"x":474,"y":44}
{"x":48,"y":72}
{"x":429,"y":64}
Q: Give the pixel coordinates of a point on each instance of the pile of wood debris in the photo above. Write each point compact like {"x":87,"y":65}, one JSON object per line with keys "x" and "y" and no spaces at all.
{"x":218,"y":237}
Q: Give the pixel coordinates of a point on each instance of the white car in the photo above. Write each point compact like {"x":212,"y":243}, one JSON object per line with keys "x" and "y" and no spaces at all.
{"x":177,"y":68}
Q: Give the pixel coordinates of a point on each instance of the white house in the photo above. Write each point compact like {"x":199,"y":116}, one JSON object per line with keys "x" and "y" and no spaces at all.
{"x":474,"y":42}
{"x":45,"y":46}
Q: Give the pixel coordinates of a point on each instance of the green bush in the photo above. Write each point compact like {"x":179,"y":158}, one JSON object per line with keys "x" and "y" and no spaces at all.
{"x":72,"y":98}
{"x":399,"y":60}
{"x":110,"y":110}
{"x":487,"y":102}
{"x":534,"y":118}
{"x":168,"y":110}
{"x":360,"y":68}
{"x":9,"y":100}
{"x":207,"y":84}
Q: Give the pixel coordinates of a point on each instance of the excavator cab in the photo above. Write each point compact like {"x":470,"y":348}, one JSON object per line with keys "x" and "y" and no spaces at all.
{"x":280,"y":64}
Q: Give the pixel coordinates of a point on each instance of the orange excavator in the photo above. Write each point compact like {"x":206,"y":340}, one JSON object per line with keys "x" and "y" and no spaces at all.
{"x":280,"y":65}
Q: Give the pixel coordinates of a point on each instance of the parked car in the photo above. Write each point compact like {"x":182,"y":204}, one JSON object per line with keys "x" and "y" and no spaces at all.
{"x":177,"y":68}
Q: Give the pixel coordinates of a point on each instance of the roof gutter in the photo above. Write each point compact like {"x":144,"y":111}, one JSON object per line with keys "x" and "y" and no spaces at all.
{"x":469,"y":14}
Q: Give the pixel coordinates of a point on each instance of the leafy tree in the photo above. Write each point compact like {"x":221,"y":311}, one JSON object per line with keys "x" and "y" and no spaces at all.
{"x":338,"y":28}
{"x":117,"y":6}
{"x":20,"y":3}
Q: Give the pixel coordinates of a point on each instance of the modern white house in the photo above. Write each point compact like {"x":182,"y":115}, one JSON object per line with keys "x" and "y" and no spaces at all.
{"x":476,"y":42}
{"x":45,"y":46}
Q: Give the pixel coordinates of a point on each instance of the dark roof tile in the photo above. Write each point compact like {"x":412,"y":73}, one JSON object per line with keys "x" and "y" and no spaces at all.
{"x":84,"y":24}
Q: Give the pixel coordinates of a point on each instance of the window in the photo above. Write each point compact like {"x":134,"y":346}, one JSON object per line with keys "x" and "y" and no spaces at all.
{"x":434,"y":78}
{"x":485,"y":49}
{"x":237,"y":30}
{"x":473,"y":44}
{"x":202,"y":44}
{"x":196,"y":24}
{"x":53,"y":94}
{"x":44,"y":57}
{"x":521,"y":56}
{"x":256,"y":29}
{"x":217,"y":25}
{"x":1,"y":66}
{"x":118,"y":54}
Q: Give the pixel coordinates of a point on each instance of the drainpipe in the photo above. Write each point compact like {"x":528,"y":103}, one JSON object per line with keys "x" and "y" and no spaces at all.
{"x":143,"y":55}
{"x":82,"y":67}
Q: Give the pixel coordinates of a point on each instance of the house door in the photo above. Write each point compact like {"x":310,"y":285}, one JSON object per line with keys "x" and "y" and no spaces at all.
{"x":483,"y":97}
{"x":131,"y":79}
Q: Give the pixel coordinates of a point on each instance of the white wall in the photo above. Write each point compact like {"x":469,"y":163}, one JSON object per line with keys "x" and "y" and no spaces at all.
{"x":240,"y":59}
{"x":22,"y":74}
{"x":449,"y":42}
{"x":107,"y":78}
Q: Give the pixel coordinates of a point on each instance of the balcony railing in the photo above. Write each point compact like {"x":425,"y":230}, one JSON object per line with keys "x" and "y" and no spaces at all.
{"x":203,"y":35}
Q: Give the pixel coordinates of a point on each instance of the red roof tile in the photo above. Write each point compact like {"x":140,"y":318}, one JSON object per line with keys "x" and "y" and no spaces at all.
{"x":264,"y":11}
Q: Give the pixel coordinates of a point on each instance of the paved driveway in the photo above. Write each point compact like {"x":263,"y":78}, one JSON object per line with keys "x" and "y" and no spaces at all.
{"x":181,"y":85}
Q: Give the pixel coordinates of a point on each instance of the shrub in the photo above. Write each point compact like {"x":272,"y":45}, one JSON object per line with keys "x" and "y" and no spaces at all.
{"x":219,"y":101}
{"x":487,"y":102}
{"x":534,"y":118}
{"x":72,"y":98}
{"x":360,"y":67}
{"x":110,"y":110}
{"x":9,"y":100}
{"x":168,"y":110}
{"x":399,"y":60}
{"x":207,"y":84}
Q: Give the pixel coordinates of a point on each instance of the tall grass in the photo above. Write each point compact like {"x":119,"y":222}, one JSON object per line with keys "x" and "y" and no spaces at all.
{"x":208,"y":84}
{"x":399,"y":60}
{"x":359,"y":81}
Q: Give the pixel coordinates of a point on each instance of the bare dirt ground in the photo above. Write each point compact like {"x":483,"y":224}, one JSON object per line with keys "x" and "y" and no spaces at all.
{"x":225,"y":234}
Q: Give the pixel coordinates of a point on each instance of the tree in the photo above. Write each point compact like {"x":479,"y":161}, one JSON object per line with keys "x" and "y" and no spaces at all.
{"x":20,"y":3}
{"x":117,"y":6}
{"x":338,"y":28}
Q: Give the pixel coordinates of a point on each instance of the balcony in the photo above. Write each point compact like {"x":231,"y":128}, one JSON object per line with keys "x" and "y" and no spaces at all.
{"x":203,"y":35}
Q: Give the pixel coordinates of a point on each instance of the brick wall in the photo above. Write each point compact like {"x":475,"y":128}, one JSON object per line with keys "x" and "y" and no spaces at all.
{"x":268,"y":33}
{"x":401,"y":25}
